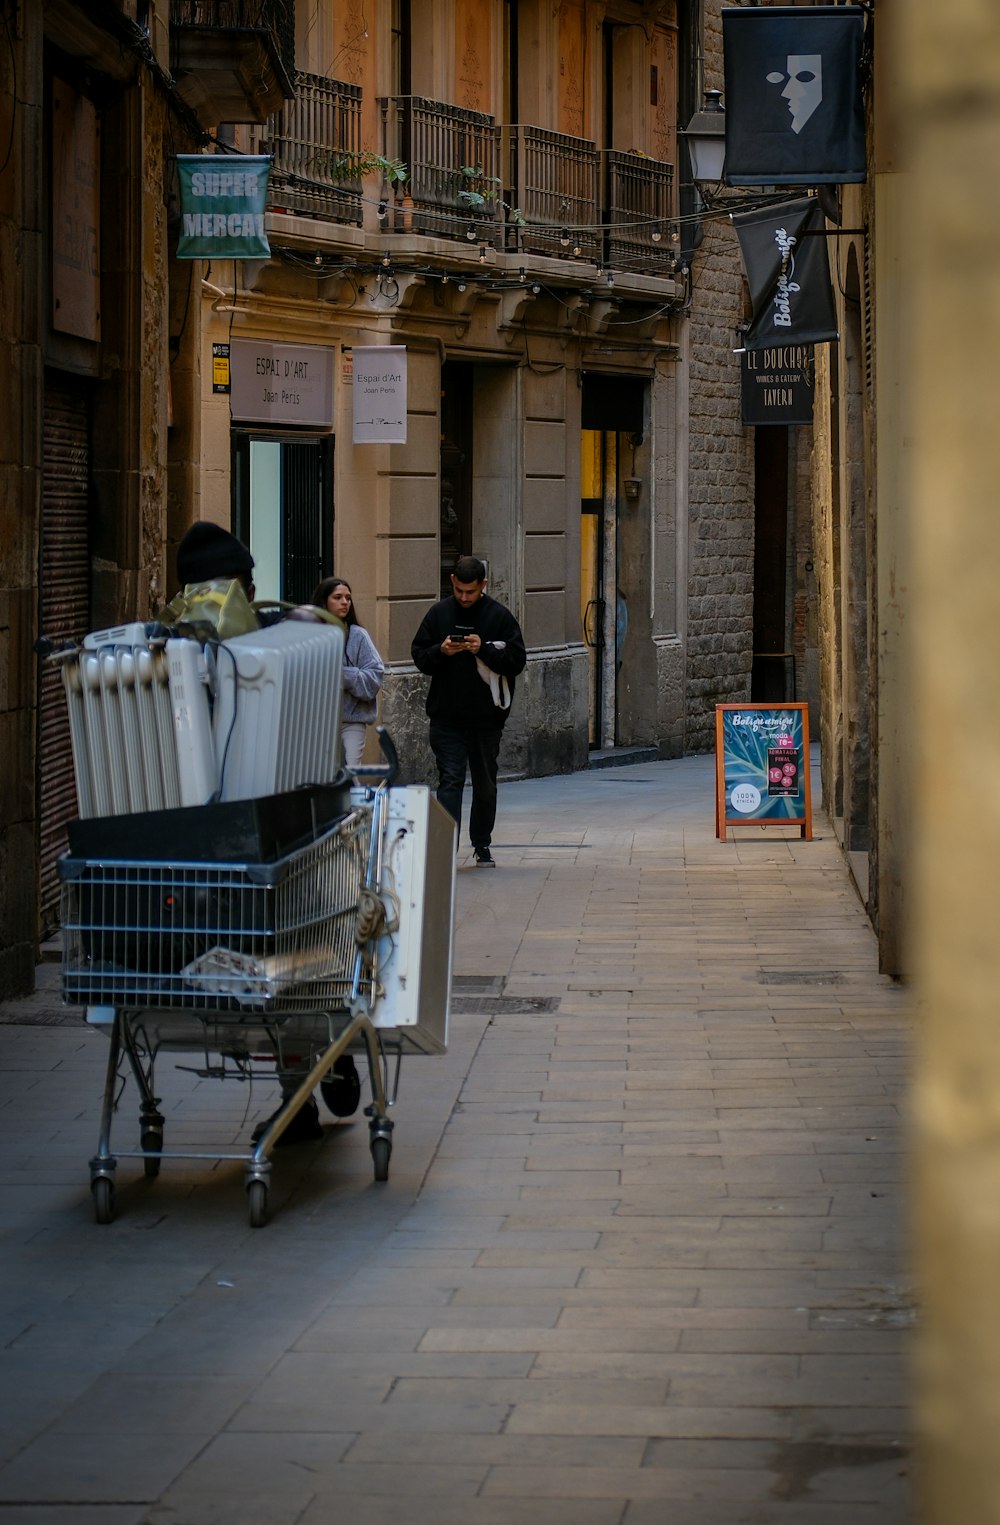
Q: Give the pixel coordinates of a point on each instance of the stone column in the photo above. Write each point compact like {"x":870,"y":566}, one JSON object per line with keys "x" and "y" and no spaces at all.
{"x":948,"y":63}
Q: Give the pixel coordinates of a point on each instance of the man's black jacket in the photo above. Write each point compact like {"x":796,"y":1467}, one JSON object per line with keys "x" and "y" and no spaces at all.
{"x":458,"y":696}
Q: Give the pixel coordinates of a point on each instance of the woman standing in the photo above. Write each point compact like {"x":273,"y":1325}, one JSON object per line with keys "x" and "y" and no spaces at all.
{"x":363,"y":669}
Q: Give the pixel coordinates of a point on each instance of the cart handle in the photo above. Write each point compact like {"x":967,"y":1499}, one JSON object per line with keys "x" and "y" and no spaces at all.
{"x":390,"y":770}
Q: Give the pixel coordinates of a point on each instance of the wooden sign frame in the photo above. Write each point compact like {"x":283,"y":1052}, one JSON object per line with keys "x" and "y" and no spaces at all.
{"x":762,"y":760}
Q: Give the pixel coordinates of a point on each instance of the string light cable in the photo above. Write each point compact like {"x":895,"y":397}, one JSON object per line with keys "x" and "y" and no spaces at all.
{"x":384,"y":270}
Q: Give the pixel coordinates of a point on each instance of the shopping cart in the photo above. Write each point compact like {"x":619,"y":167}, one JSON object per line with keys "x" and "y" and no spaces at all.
{"x":296,"y":963}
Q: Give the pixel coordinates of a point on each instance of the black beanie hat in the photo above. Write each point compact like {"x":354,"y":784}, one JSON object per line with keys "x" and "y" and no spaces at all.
{"x":207,"y":551}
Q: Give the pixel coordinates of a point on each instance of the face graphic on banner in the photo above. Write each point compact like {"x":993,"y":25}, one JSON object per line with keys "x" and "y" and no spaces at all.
{"x":804,"y":88}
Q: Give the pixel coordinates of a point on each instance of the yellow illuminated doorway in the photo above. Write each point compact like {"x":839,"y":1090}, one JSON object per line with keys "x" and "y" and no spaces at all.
{"x":598,"y":590}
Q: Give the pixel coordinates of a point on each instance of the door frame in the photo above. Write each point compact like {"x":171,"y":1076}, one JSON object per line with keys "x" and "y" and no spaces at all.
{"x":602,"y":639}
{"x":241,"y":440}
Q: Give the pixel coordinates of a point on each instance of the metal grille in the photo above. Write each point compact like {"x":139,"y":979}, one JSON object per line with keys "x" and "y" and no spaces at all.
{"x":301,"y":502}
{"x":274,"y":16}
{"x":277,"y":937}
{"x":869,"y":321}
{"x":63,"y":612}
{"x":801,"y":977}
{"x":504,"y":1006}
{"x":437,"y":142}
{"x":307,"y":138}
{"x":640,"y":199}
{"x":554,"y":185}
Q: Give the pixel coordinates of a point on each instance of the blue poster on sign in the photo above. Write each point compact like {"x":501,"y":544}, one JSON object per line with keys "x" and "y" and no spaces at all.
{"x":762,"y":766}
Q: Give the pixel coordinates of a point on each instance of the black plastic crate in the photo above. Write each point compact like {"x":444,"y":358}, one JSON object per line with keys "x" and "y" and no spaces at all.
{"x":235,"y":831}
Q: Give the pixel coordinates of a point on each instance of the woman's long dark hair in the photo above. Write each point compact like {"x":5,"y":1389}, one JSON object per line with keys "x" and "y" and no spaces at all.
{"x":323,"y":590}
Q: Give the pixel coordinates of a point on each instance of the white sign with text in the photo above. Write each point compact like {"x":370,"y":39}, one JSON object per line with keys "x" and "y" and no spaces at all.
{"x":282,"y":383}
{"x":379,"y":394}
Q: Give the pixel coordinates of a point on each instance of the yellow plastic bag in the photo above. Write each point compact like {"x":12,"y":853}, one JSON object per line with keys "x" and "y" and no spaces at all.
{"x":219,"y":608}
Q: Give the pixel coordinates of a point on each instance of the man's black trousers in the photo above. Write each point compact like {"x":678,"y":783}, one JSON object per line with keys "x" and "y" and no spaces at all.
{"x":453,"y":749}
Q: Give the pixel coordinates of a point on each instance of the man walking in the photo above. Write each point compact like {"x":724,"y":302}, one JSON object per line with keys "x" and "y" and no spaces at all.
{"x":472,"y":648}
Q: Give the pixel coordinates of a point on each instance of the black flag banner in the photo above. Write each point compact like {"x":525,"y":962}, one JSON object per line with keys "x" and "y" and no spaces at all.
{"x":794,"y":109}
{"x":784,"y":255}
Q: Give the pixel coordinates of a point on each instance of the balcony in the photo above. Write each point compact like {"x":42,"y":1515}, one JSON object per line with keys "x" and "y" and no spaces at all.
{"x":232,"y":59}
{"x":518,"y":189}
{"x":312,"y":139}
{"x":452,"y":158}
{"x":554,"y":183}
{"x":638,"y":211}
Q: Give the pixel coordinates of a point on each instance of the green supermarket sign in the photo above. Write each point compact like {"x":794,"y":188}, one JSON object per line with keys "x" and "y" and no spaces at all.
{"x":223,"y":202}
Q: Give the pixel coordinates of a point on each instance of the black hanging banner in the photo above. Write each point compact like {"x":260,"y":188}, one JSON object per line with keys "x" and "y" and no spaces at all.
{"x":794,"y":108}
{"x":777,"y":385}
{"x":788,"y":273}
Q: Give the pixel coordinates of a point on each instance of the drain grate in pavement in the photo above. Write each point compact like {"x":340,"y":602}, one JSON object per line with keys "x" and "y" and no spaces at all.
{"x":503,"y":1005}
{"x":800,"y":977}
{"x":26,"y":1015}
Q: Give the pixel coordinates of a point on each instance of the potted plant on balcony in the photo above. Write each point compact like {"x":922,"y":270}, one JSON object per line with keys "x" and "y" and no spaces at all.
{"x":481,"y":191}
{"x":359,"y":163}
{"x":352,"y":166}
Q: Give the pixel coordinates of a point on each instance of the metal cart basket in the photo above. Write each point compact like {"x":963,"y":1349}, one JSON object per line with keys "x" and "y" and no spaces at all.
{"x":288,"y":961}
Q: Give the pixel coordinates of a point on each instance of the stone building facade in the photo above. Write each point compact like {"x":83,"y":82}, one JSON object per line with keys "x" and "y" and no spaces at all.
{"x":83,"y":427}
{"x":516,"y":341}
{"x":720,"y":496}
{"x":573,"y":407}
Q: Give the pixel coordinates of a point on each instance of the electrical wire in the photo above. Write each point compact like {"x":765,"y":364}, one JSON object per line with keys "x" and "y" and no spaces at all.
{"x":179,"y":335}
{"x":217,"y":647}
{"x":133,"y":38}
{"x":377,"y":269}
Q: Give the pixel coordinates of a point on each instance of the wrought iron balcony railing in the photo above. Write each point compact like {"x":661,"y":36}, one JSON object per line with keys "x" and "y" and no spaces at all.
{"x":554,"y":185}
{"x":233,"y":59}
{"x":313,"y":140}
{"x":451,"y":154}
{"x":517,"y":187}
{"x":638,"y":212}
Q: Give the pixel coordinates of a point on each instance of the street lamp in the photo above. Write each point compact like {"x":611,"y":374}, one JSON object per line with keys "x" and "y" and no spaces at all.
{"x":705,"y":136}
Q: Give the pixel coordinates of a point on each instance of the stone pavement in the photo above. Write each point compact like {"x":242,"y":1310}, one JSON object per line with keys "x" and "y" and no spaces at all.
{"x":638,"y":1262}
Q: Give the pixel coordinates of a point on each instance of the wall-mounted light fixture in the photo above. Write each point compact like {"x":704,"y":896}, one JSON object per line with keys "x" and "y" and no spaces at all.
{"x":705,"y":136}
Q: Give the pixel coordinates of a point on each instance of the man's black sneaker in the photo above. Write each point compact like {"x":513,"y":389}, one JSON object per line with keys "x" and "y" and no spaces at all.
{"x":304,"y":1128}
{"x":341,"y":1089}
{"x":484,"y":858}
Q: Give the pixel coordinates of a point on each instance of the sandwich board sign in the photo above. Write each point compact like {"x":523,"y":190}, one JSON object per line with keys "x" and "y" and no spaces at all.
{"x":762,"y":767}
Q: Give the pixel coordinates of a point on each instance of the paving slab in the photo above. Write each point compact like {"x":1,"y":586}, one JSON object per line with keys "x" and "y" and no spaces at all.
{"x":640,"y":1259}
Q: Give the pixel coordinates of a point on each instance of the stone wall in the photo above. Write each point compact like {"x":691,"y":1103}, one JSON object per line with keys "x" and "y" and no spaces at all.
{"x":720,"y":495}
{"x":21,"y":264}
{"x":942,"y":79}
{"x":126,"y":381}
{"x":720,"y":471}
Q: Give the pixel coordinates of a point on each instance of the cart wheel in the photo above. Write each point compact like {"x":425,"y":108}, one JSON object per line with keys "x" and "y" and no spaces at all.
{"x":341,"y":1090}
{"x":104,"y":1199}
{"x":257,"y":1203}
{"x":381,"y":1150}
{"x":151,"y":1140}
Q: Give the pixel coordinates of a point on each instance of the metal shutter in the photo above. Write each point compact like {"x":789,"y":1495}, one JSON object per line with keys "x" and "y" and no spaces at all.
{"x":63,"y":612}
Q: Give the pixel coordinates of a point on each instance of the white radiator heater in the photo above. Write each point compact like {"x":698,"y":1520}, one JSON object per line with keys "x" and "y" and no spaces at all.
{"x":159,"y":724}
{"x":121,"y":724}
{"x":277,"y":709}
